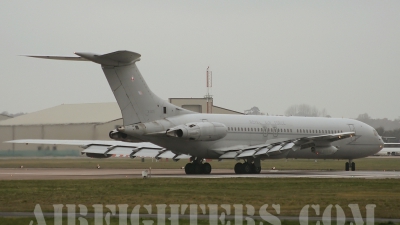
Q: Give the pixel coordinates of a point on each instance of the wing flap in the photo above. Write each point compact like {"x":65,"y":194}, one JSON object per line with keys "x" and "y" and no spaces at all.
{"x":166,"y":155}
{"x":122,"y":151}
{"x":97,"y":149}
{"x":245,"y":154}
{"x":182,"y":156}
{"x":229,"y":155}
{"x":263,"y":151}
{"x":146,"y":153}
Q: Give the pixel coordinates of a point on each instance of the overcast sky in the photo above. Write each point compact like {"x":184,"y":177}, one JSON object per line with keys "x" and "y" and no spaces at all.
{"x":343,"y":56}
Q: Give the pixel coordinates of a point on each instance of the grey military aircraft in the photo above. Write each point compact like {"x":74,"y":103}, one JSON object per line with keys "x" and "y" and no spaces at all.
{"x":173,"y":132}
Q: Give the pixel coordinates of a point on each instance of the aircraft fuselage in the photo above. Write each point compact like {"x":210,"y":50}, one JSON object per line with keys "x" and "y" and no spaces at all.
{"x":248,"y":130}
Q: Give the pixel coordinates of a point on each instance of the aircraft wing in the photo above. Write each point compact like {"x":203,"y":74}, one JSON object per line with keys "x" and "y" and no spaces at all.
{"x":105,"y":149}
{"x":280,"y":147}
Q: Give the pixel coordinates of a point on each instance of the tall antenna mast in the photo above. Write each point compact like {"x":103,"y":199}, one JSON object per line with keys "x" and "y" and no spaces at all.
{"x":209,"y":89}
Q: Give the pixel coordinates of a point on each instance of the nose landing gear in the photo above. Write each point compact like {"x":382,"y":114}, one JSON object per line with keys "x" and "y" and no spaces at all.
{"x":350,"y":165}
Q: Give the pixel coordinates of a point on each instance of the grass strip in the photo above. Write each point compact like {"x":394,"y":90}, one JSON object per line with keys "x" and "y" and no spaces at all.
{"x":291,"y":194}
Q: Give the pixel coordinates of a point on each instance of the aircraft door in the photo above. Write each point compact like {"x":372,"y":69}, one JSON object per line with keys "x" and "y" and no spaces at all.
{"x":274,"y":131}
{"x":265,"y":130}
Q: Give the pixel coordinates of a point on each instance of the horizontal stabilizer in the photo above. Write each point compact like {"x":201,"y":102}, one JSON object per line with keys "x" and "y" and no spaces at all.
{"x":118,"y":58}
{"x":70,"y":58}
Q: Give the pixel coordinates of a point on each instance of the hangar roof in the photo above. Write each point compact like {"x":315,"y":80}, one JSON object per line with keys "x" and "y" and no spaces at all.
{"x":4,"y":117}
{"x":69,"y":114}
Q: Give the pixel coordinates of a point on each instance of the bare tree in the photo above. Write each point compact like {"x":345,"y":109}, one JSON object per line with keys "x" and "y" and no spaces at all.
{"x":305,"y":110}
{"x":364,"y":117}
{"x":11,"y":114}
{"x":253,"y":111}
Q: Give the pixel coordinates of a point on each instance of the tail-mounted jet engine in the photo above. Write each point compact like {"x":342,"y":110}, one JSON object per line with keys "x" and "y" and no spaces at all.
{"x":199,"y":131}
{"x":119,"y":136}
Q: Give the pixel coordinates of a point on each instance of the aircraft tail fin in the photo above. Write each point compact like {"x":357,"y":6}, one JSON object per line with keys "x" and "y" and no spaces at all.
{"x":135,"y":99}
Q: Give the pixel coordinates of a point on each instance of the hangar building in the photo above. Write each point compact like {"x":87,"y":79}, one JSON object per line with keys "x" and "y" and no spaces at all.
{"x":4,"y":117}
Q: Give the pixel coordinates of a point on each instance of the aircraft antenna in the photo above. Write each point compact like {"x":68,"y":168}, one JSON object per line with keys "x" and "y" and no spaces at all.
{"x":208,"y":96}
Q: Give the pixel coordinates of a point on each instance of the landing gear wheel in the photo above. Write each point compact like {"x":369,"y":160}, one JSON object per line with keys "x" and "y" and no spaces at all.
{"x":257,"y":169}
{"x":253,"y":168}
{"x":347,"y":166}
{"x":189,"y":168}
{"x":238,"y":168}
{"x":207,"y":168}
{"x":353,"y":166}
{"x":247,"y":168}
{"x":197,"y":168}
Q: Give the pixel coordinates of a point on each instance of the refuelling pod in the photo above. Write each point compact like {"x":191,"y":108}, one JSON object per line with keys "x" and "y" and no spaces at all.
{"x":199,"y":131}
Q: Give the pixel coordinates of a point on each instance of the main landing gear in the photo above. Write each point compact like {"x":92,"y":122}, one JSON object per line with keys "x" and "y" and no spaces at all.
{"x":248,"y":167}
{"x":350,"y":165}
{"x":198,"y":167}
